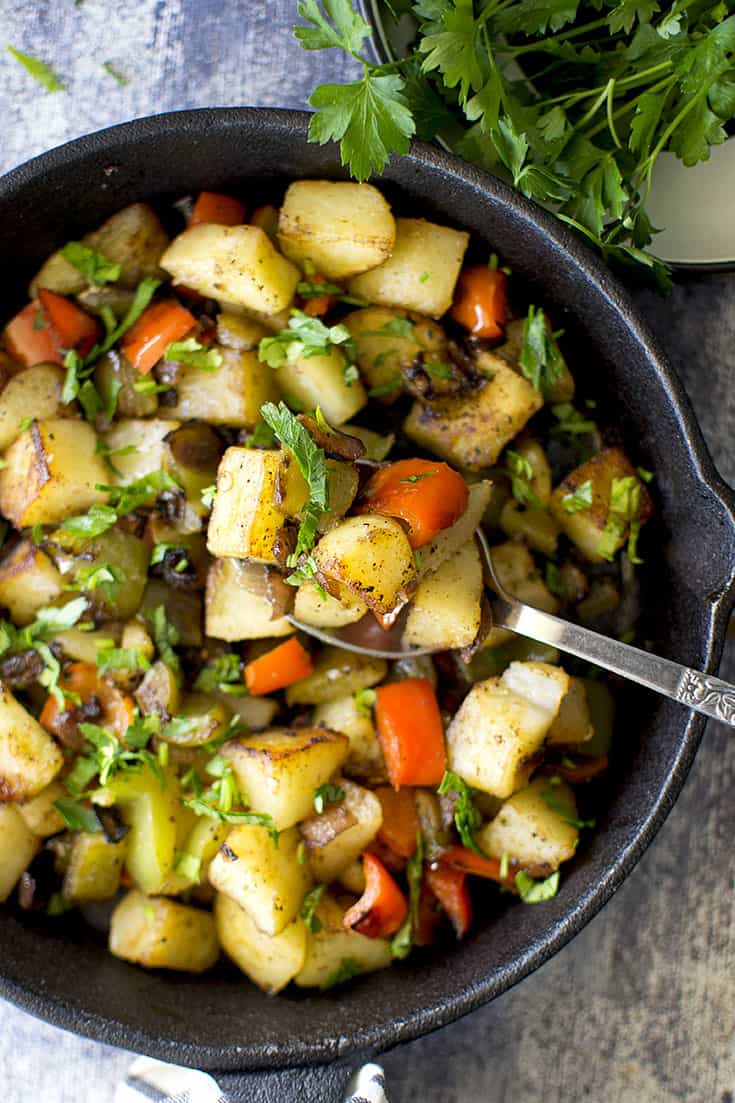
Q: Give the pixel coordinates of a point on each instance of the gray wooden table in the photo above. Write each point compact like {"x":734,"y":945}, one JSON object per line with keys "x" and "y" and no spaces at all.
{"x":639,"y":1008}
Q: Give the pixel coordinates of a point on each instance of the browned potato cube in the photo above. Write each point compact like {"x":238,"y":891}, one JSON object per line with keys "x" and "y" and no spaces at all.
{"x":162,"y":934}
{"x":29,"y":757}
{"x":28,"y":581}
{"x":50,"y":473}
{"x":278,"y":770}
{"x":472,"y":430}
{"x":585,"y":527}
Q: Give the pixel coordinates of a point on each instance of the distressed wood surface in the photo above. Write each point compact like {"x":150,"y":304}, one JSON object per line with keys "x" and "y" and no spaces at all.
{"x":639,"y":1008}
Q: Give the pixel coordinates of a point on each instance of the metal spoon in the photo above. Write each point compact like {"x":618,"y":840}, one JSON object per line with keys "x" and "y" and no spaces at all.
{"x":701,"y":692}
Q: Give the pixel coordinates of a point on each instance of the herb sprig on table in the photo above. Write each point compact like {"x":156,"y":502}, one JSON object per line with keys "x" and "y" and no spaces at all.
{"x":604,"y":87}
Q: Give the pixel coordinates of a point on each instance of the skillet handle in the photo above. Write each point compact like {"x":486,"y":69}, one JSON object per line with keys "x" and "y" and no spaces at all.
{"x":316,"y":1084}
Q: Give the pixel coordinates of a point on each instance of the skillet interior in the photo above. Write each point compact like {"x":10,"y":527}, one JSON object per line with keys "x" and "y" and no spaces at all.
{"x":56,"y":970}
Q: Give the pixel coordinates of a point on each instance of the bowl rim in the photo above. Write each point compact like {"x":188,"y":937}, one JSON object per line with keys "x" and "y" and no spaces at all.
{"x":447,"y":1008}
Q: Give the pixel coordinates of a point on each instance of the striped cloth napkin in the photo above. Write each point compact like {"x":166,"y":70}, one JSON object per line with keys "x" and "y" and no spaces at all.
{"x":150,"y":1081}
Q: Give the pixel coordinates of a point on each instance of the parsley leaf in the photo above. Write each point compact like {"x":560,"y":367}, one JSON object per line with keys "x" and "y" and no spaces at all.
{"x":96,"y":268}
{"x":38,"y":70}
{"x":535,"y":892}
{"x":466,"y":817}
{"x":522,"y":475}
{"x":346,"y":970}
{"x":77,"y":816}
{"x":165,"y":637}
{"x":370,"y":119}
{"x":220,"y":673}
{"x":308,"y":908}
{"x":194,"y":354}
{"x":121,"y":658}
{"x":579,"y":499}
{"x":402,"y":942}
{"x":540,"y":361}
{"x":622,"y":517}
{"x":364,"y":701}
{"x":305,"y":337}
{"x":338,"y":26}
{"x":327,"y":794}
{"x":311,"y":462}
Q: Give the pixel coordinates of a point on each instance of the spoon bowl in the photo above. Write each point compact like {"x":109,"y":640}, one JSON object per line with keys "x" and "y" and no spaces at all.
{"x":700,"y":692}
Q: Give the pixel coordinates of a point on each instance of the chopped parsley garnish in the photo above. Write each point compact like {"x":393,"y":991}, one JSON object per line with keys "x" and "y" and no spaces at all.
{"x":121,"y":658}
{"x":308,"y":908}
{"x":623,"y":511}
{"x":522,"y":475}
{"x":396,"y":327}
{"x":222,"y":673}
{"x":571,"y":421}
{"x":144,"y":292}
{"x":103,"y":755}
{"x":535,"y":892}
{"x":350,"y":374}
{"x":38,"y":70}
{"x":402,"y":942}
{"x":305,"y":337}
{"x":312,"y":464}
{"x":437,"y":371}
{"x":78,"y":817}
{"x":327,"y":794}
{"x":346,"y":970}
{"x":553,"y":579}
{"x":165,"y":637}
{"x":418,"y":478}
{"x":120,"y":79}
{"x":364,"y":701}
{"x":194,"y":354}
{"x":466,"y":817}
{"x":165,"y":550}
{"x":87,"y":577}
{"x":49,"y":622}
{"x":208,"y":495}
{"x":305,"y":570}
{"x":579,"y":499}
{"x":96,"y":268}
{"x":566,"y":811}
{"x":122,"y":500}
{"x":541,"y":361}
{"x":308,"y":289}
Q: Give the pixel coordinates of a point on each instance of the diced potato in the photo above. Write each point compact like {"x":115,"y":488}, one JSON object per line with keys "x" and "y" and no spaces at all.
{"x":29,"y":757}
{"x":421,"y":272}
{"x":585,"y":527}
{"x":336,"y":672}
{"x":18,"y":846}
{"x":382,"y":356}
{"x":39,"y":812}
{"x":333,"y":953}
{"x":573,"y":724}
{"x":50,"y":472}
{"x":234,"y":264}
{"x":28,"y":581}
{"x":35,"y":390}
{"x":235,"y":331}
{"x":163,"y":934}
{"x":132,"y":237}
{"x":449,"y":541}
{"x":232,"y":395}
{"x":501,"y":724}
{"x":530,"y":830}
{"x":237,"y":606}
{"x":202,"y":843}
{"x":328,"y":861}
{"x":146,"y":436}
{"x":277,"y":771}
{"x":85,"y":646}
{"x":321,"y":610}
{"x":247,"y":519}
{"x":320,"y":381}
{"x":519,"y":575}
{"x":94,"y":868}
{"x":342,"y":228}
{"x":136,"y":637}
{"x":369,"y":557}
{"x":269,"y":961}
{"x":446,"y":609}
{"x":472,"y":430}
{"x":353,"y":878}
{"x":365,"y":755}
{"x":256,"y":713}
{"x":537,"y":527}
{"x":151,"y":812}
{"x":265,"y":879}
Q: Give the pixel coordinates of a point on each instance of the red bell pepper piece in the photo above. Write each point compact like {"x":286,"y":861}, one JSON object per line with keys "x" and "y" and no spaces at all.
{"x":429,"y":496}
{"x":382,"y":908}
{"x":411,"y":733}
{"x":284,"y":665}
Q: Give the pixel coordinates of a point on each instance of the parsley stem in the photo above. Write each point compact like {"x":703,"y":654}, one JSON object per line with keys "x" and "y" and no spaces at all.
{"x":624,"y":82}
{"x":676,"y":121}
{"x":542,"y":44}
{"x":625,"y":107}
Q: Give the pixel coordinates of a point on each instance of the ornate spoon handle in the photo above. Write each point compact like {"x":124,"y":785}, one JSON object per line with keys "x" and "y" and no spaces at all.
{"x":697,"y":691}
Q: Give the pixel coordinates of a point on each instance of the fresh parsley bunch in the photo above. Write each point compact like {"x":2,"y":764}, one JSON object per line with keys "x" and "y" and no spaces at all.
{"x":573,"y":100}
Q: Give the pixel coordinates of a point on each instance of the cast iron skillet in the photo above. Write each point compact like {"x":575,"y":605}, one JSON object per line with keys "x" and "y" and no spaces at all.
{"x":302,"y":1044}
